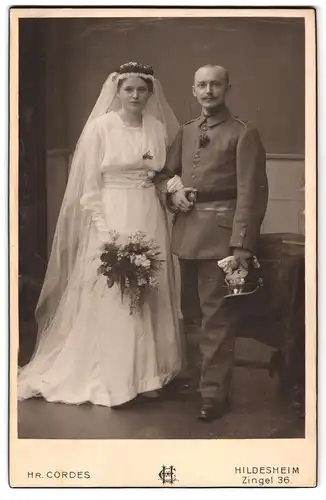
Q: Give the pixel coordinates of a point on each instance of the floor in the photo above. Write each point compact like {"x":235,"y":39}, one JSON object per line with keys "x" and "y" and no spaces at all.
{"x":258,"y":411}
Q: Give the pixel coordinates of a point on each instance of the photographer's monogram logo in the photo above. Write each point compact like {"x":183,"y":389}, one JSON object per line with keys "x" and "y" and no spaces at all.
{"x":167,"y":474}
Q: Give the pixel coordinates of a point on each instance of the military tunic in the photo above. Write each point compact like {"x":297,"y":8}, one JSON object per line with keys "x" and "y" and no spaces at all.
{"x":222,"y":156}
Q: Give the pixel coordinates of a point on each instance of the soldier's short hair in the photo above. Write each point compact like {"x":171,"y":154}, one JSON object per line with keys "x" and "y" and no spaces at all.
{"x":210,"y":65}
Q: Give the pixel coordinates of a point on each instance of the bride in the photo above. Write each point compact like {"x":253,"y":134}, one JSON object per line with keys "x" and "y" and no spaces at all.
{"x":89,"y":347}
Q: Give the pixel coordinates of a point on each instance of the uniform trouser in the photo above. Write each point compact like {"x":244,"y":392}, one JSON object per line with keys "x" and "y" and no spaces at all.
{"x":209,"y":321}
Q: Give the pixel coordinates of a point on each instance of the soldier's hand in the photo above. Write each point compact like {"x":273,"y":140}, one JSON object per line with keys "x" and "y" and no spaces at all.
{"x":180,"y":200}
{"x":242,"y":256}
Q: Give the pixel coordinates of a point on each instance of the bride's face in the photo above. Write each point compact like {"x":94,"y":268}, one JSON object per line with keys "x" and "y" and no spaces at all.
{"x":133,"y":94}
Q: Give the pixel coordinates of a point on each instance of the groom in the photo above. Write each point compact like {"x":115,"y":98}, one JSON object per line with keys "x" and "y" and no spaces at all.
{"x":221,"y":162}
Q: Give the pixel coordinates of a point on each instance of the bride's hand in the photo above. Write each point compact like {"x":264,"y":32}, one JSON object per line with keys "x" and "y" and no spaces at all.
{"x":180,"y":200}
{"x":174,"y":184}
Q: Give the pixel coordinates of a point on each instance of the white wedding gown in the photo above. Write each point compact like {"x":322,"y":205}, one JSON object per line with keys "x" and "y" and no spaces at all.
{"x":95,"y":351}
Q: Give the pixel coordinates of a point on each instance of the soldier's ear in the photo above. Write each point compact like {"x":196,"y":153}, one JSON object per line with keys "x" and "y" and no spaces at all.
{"x":193,"y":91}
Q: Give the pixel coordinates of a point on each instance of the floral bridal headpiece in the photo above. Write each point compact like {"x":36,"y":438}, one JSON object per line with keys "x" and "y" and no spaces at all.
{"x":132,"y":69}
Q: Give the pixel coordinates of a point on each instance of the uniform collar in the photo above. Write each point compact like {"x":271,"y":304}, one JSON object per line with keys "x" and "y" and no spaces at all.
{"x":220,"y":116}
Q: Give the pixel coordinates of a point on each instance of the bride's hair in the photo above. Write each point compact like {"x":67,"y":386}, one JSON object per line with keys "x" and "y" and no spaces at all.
{"x":143,"y":71}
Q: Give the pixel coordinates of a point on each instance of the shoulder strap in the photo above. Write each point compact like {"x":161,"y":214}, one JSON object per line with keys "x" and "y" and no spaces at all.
{"x":245,"y":124}
{"x":189,"y":121}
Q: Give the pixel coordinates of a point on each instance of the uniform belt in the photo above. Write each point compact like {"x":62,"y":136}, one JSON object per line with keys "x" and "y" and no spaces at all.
{"x":225,"y":194}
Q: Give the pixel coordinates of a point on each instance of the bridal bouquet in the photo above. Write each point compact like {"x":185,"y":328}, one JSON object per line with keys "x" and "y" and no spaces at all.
{"x":132,"y":266}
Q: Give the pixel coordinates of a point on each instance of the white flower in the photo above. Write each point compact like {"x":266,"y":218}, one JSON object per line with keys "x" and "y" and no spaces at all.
{"x":153,"y":282}
{"x":137,"y":260}
{"x":141,"y":260}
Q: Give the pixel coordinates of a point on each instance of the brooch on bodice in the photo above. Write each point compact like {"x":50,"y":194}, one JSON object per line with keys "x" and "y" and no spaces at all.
{"x":151,"y":173}
{"x":147,"y":156}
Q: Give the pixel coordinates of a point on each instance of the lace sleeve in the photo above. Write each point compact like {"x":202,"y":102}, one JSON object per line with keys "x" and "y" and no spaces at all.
{"x":91,"y":201}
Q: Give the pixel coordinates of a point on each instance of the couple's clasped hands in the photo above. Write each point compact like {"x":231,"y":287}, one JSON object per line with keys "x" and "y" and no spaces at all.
{"x":180,"y":200}
{"x":179,"y":195}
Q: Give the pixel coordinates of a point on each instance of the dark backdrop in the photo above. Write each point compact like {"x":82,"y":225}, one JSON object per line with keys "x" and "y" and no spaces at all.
{"x":265,"y":58}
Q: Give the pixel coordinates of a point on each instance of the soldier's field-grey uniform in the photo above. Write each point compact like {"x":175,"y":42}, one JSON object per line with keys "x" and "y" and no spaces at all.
{"x":223,"y":158}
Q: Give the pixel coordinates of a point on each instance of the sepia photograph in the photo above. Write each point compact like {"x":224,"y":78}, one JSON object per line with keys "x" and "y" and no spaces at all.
{"x":161,"y":234}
